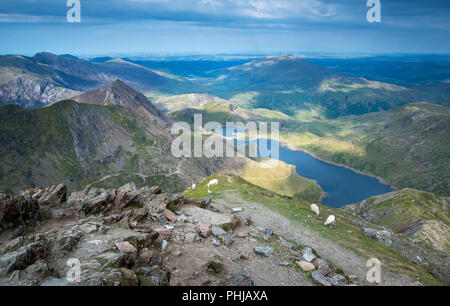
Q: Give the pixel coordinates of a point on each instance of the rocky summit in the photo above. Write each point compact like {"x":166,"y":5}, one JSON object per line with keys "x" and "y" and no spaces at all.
{"x":133,"y":237}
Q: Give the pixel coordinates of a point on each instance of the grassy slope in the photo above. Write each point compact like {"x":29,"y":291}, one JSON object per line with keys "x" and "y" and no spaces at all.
{"x":345,"y":233}
{"x":280,"y":178}
{"x":406,"y":146}
{"x":402,"y":210}
{"x":39,"y":148}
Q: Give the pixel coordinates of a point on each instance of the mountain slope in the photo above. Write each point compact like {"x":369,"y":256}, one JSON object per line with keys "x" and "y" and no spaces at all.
{"x":68,"y":74}
{"x":120,"y":94}
{"x":100,"y":145}
{"x":405,"y":146}
{"x":290,"y":85}
{"x":420,"y":215}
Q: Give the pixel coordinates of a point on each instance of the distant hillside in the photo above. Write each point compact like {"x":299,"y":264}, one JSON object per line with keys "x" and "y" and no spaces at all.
{"x":420,"y":215}
{"x":104,"y":145}
{"x":120,"y":94}
{"x":406,"y":146}
{"x":46,"y":78}
{"x":293,"y":85}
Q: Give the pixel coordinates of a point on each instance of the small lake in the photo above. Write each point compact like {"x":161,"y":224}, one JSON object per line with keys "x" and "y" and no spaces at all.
{"x":342,"y":185}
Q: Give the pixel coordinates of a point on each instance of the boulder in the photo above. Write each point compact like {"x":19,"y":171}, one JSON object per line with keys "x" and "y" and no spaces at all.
{"x":338,"y":280}
{"x":264,"y":251}
{"x":242,"y":279}
{"x":320,"y":279}
{"x":23,"y":257}
{"x":306,"y":266}
{"x":125,"y":247}
{"x":53,"y":196}
{"x":382,"y":236}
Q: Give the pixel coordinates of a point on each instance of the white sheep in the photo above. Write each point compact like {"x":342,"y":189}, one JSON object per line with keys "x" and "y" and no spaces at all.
{"x":213,"y":183}
{"x":315,"y":209}
{"x":331,"y":219}
{"x":193,"y":186}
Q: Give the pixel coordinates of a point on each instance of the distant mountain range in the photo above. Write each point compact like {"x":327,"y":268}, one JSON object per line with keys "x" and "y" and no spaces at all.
{"x":45,"y":78}
{"x":281,"y":83}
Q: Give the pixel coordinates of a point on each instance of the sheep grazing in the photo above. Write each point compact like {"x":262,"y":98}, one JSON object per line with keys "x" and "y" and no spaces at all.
{"x":213,"y":183}
{"x":331,"y":219}
{"x":315,"y":209}
{"x":193,"y":186}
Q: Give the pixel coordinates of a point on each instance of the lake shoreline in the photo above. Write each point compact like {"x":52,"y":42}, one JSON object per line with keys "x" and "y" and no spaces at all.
{"x":380,"y":179}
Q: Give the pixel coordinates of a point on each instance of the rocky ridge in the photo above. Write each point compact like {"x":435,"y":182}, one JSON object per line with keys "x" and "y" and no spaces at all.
{"x":140,"y":236}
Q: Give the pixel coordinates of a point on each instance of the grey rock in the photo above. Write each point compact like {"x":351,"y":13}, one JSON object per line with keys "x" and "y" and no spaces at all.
{"x":217,"y":231}
{"x":264,"y":251}
{"x":338,"y":280}
{"x":268,"y":232}
{"x":242,"y":279}
{"x":308,"y":254}
{"x":286,"y":243}
{"x":383,"y":236}
{"x":320,"y":279}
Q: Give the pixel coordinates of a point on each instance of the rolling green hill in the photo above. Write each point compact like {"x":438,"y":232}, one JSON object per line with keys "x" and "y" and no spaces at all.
{"x":291,"y":85}
{"x":406,"y":146}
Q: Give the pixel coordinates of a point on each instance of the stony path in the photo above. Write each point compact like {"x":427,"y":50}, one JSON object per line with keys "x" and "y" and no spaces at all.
{"x":351,"y":263}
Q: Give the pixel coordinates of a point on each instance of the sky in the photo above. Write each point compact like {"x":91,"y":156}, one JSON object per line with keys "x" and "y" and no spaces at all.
{"x":139,"y":27}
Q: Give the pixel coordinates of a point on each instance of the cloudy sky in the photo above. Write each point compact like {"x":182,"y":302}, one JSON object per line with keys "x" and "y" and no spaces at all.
{"x":224,"y":26}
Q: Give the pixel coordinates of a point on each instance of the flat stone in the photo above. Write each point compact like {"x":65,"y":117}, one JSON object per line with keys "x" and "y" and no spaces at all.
{"x":126,"y":247}
{"x":88,"y":228}
{"x":338,"y":280}
{"x":218,"y":231}
{"x":206,"y":217}
{"x":320,"y":279}
{"x":286,"y":243}
{"x":237,"y":209}
{"x":306,"y":266}
{"x":190,"y":238}
{"x":264,"y":251}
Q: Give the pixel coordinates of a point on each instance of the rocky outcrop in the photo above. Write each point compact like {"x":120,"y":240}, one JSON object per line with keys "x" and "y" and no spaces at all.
{"x":28,"y":92}
{"x":17,"y":211}
{"x":52,"y":196}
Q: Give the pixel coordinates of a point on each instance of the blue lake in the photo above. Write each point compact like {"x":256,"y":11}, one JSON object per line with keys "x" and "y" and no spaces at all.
{"x":342,"y":185}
